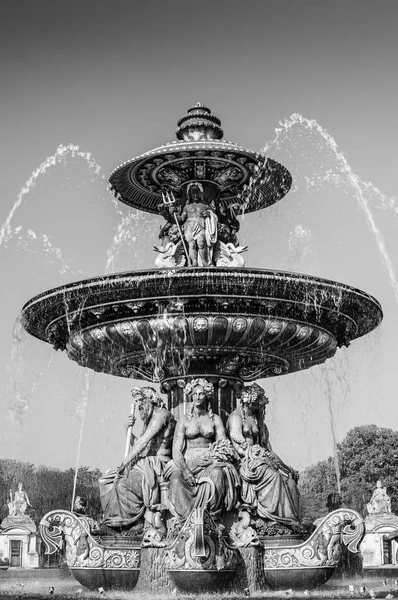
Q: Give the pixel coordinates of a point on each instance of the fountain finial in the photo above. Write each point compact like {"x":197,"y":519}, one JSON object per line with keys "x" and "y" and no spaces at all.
{"x":199,"y":124}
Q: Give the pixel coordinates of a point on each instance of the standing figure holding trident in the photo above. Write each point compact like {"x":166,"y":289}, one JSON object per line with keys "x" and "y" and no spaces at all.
{"x":197,"y":224}
{"x":133,"y":489}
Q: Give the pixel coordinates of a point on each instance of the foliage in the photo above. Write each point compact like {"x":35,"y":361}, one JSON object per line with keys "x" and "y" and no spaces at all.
{"x":48,"y":488}
{"x":366,"y":454}
{"x":315,"y":484}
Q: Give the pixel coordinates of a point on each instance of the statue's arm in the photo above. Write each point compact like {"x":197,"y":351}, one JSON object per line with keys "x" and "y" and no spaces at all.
{"x":281,"y":465}
{"x":178,"y":457}
{"x":27,"y":499}
{"x":181,"y":217}
{"x":235,"y":433}
{"x":155,"y":426}
{"x":178,"y":445}
{"x":219,"y":429}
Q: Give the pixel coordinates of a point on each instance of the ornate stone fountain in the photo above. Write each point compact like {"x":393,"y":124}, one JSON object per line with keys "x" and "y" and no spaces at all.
{"x":201,"y":499}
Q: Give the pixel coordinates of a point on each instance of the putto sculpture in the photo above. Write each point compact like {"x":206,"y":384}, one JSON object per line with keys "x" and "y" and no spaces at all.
{"x":200,"y":496}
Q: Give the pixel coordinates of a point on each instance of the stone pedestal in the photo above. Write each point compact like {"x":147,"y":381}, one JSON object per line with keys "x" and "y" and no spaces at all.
{"x":250,"y":573}
{"x":18,"y":542}
{"x":375,"y":550}
{"x":153,"y":574}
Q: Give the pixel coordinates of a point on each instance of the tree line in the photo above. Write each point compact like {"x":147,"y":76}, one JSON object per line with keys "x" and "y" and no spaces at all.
{"x":48,"y":488}
{"x":367,"y":453}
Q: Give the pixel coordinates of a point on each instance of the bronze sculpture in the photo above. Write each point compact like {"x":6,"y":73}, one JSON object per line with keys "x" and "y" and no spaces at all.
{"x":129,"y":492}
{"x":268,"y":484}
{"x":202,"y":474}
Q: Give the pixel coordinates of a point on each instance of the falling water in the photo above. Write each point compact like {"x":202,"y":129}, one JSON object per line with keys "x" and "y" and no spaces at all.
{"x":132,"y":245}
{"x":355,"y":181}
{"x":60,"y":154}
{"x":87,"y":379}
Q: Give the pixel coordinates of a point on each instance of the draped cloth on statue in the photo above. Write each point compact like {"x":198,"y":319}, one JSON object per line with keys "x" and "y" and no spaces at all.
{"x":124,"y":499}
{"x":216,"y":490}
{"x":272,"y":493}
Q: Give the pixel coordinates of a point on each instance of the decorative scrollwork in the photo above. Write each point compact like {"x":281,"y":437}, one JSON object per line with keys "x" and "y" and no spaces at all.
{"x":323,"y":548}
{"x":83,"y":546}
{"x":218,"y":554}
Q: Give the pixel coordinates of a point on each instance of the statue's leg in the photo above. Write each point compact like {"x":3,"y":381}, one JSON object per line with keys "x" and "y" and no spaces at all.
{"x":193,"y":253}
{"x":181,"y":495}
{"x":122,"y":500}
{"x":203,"y":250}
{"x":192,"y":248}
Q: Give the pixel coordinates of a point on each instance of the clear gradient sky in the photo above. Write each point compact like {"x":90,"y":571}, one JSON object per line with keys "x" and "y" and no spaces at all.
{"x":113,"y":78}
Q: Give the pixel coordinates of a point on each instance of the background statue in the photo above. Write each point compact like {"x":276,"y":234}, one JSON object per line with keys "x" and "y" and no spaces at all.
{"x":134,"y":487}
{"x":20,"y":502}
{"x":268,"y":484}
{"x":380,"y":501}
{"x":201,"y":474}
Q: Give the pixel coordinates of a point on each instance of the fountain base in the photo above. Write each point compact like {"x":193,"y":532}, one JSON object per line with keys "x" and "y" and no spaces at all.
{"x":223,"y":566}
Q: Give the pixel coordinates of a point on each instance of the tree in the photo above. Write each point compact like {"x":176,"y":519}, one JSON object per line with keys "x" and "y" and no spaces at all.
{"x":315,"y":485}
{"x":366,"y":454}
{"x":48,"y":488}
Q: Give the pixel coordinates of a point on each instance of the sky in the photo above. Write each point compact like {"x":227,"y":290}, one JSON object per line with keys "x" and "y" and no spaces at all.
{"x":113,"y":79}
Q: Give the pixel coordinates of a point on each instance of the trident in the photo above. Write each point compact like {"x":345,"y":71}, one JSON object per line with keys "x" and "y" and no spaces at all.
{"x":168,"y":201}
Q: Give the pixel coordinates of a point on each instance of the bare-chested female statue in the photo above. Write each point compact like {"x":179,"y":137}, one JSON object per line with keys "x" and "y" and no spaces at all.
{"x":134,"y":487}
{"x":268,"y":484}
{"x":201,"y":474}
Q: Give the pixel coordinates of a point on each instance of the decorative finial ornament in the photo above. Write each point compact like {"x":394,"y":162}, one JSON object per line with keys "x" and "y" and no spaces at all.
{"x":199,"y":125}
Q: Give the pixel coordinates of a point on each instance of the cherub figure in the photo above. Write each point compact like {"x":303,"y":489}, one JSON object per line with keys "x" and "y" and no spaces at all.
{"x":171,"y":254}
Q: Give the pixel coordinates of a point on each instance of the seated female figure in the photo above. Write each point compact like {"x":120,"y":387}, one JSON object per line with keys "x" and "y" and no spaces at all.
{"x":268,"y":484}
{"x":201,"y":473}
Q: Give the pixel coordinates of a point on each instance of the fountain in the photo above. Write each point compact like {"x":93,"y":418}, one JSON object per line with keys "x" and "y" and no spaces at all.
{"x":200,"y":498}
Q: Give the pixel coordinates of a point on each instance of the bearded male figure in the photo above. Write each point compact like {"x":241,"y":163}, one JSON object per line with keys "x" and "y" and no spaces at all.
{"x":128,"y":493}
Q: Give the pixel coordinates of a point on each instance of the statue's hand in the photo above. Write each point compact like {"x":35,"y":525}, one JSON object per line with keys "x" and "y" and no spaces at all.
{"x":130,"y":421}
{"x":120,"y":470}
{"x":189,"y":478}
{"x":204,"y":461}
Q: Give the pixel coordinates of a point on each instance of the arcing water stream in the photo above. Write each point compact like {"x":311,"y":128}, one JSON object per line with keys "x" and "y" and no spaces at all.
{"x":331,"y":224}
